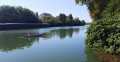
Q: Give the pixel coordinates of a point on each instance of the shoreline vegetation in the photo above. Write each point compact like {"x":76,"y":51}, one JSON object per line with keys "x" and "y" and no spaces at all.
{"x":104,"y":32}
{"x":12,"y":17}
{"x":14,"y":26}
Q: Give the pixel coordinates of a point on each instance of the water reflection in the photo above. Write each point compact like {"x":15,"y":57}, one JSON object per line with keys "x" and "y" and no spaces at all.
{"x":9,"y":42}
{"x":91,"y":55}
{"x":49,"y":49}
{"x":62,"y":33}
{"x":13,"y":40}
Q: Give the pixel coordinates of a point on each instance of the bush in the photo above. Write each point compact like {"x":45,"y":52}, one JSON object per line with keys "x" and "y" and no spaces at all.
{"x":104,"y":34}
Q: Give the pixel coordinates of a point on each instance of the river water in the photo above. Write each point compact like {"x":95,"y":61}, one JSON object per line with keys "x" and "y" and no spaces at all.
{"x":60,"y":44}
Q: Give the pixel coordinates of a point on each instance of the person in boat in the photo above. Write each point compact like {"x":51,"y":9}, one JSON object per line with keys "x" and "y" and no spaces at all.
{"x":29,"y":34}
{"x":43,"y":33}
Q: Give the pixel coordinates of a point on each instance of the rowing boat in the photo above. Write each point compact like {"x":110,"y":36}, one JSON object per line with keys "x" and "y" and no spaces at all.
{"x":35,"y":35}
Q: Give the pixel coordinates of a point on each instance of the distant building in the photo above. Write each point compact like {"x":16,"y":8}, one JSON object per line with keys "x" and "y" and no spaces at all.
{"x":43,"y":15}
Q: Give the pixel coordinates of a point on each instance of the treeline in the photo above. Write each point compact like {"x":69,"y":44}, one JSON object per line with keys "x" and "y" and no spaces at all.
{"x":63,"y":20}
{"x":11,"y":14}
{"x":104,"y":32}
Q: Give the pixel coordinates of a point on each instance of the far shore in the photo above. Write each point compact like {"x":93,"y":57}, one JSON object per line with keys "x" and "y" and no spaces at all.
{"x":13,"y":26}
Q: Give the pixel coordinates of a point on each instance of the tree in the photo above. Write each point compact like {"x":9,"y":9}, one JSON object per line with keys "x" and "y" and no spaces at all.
{"x":69,"y":20}
{"x":62,"y":18}
{"x":96,"y":7}
{"x":37,"y":14}
{"x":77,"y":22}
{"x":58,"y":22}
{"x":104,"y":33}
{"x":11,"y":14}
{"x":83,"y":22}
{"x":50,"y":20}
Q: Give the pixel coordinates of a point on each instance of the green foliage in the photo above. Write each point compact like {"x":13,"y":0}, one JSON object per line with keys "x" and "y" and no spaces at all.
{"x":10,"y":14}
{"x":77,"y":22}
{"x":83,"y":22}
{"x":37,"y":14}
{"x":63,"y":20}
{"x":105,"y":35}
{"x":50,"y":20}
{"x":69,"y":20}
{"x":113,"y":9}
{"x":96,"y":7}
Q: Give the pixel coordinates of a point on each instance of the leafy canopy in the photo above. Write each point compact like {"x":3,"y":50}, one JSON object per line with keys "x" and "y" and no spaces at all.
{"x":11,"y":14}
{"x":104,"y":33}
{"x":63,"y":20}
{"x":95,"y":7}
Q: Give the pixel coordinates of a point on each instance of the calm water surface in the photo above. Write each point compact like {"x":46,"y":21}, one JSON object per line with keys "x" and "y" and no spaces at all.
{"x":60,"y":44}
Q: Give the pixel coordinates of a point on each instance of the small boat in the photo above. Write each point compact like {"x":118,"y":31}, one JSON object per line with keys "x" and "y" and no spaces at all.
{"x":35,"y":35}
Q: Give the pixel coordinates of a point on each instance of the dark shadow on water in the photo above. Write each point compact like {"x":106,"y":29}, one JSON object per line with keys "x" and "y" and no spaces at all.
{"x":104,"y":57}
{"x":98,"y":56}
{"x":91,"y":55}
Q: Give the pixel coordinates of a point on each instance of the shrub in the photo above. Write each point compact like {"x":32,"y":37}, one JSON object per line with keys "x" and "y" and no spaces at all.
{"x":104,"y":35}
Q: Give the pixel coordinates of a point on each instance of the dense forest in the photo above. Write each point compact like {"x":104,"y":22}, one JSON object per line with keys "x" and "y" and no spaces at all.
{"x":10,"y":14}
{"x":63,"y":20}
{"x":104,"y":31}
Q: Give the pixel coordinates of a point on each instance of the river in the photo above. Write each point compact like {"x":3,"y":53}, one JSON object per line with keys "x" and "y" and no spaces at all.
{"x":60,"y":44}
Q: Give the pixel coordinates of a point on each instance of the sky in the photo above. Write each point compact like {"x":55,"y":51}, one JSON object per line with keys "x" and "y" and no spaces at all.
{"x":54,"y":7}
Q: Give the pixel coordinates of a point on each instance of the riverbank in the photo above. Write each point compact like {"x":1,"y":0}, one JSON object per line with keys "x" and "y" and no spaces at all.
{"x":106,"y":57}
{"x":14,"y":26}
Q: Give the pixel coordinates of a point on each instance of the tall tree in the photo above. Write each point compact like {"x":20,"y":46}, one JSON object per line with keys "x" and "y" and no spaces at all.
{"x":37,"y":14}
{"x":77,"y":22}
{"x":62,"y":18}
{"x":69,"y":20}
{"x":50,"y":20}
{"x":96,"y":7}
